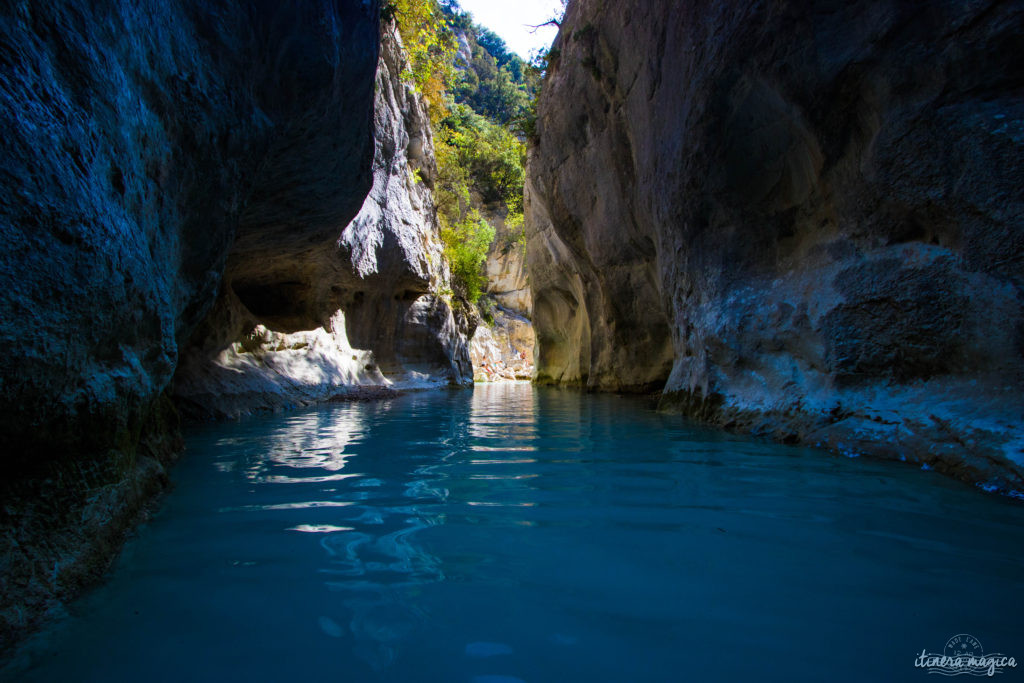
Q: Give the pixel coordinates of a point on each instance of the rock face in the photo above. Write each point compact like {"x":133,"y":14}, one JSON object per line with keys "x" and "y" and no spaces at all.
{"x":141,"y":140}
{"x":502,"y":348}
{"x":301,"y":320}
{"x":185,"y":187}
{"x":803,"y":220}
{"x":506,"y":271}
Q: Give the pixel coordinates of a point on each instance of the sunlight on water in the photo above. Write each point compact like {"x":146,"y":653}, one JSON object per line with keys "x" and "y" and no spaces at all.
{"x":521,"y":534}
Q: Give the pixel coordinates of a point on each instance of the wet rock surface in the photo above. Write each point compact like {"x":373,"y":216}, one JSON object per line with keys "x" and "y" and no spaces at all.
{"x":803,"y":221}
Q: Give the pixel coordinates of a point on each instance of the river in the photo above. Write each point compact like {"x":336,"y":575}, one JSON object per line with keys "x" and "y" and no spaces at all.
{"x":514,"y":533}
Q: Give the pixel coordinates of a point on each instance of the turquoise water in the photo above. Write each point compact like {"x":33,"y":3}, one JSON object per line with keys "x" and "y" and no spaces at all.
{"x":520,"y":534}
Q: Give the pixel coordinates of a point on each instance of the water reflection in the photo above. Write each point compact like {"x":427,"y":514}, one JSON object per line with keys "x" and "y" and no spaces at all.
{"x":378,"y":561}
{"x":503,"y":416}
{"x":537,"y":535}
{"x":371,"y":557}
{"x":318,"y":528}
{"x":315,"y":440}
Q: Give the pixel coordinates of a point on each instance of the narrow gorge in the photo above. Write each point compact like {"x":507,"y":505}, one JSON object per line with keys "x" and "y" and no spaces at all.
{"x":521,"y":350}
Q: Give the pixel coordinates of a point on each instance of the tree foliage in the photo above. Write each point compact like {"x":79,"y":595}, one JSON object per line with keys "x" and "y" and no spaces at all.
{"x":480,"y":110}
{"x":466,"y":244}
{"x":493,"y":156}
{"x":430,"y":46}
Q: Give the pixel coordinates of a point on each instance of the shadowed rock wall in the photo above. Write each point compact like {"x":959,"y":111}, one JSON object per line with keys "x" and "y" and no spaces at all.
{"x":315,"y":304}
{"x":141,"y":141}
{"x":801,"y":219}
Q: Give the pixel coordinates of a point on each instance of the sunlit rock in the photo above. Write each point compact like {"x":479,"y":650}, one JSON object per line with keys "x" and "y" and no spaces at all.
{"x":804,"y":224}
{"x":307,"y":316}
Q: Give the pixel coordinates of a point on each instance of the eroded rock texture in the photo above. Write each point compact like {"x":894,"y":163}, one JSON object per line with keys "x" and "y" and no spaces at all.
{"x":141,"y":140}
{"x":314,"y":304}
{"x":505,"y":268}
{"x":153,"y":155}
{"x":502,"y":346}
{"x":802,"y":219}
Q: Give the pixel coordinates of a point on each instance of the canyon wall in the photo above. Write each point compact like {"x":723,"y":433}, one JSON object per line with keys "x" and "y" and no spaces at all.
{"x":802,"y":220}
{"x":502,"y":346}
{"x":136,"y":137}
{"x":218,"y":192}
{"x":308,"y":314}
{"x":505,"y":267}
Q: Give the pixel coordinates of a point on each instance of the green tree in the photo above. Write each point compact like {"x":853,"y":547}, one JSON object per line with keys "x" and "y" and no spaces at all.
{"x":430,"y":46}
{"x":479,"y":116}
{"x":492,"y":155}
{"x":466,"y":244}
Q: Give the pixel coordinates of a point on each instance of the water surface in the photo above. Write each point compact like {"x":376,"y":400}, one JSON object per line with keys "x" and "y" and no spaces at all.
{"x":520,"y":534}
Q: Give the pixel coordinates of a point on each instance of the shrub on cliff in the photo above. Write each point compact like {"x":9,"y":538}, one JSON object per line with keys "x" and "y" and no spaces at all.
{"x":473,"y":111}
{"x":430,"y":47}
{"x":465,"y":245}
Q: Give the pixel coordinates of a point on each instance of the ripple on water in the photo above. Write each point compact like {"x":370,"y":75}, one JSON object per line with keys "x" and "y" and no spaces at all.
{"x":518,"y":534}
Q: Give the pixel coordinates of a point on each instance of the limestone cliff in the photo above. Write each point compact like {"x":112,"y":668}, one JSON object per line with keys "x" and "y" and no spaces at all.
{"x":305,"y":320}
{"x":503,"y":344}
{"x":502,"y":348}
{"x":505,"y":268}
{"x":137,"y":135}
{"x":141,"y":140}
{"x":154,"y":155}
{"x":798,"y":219}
